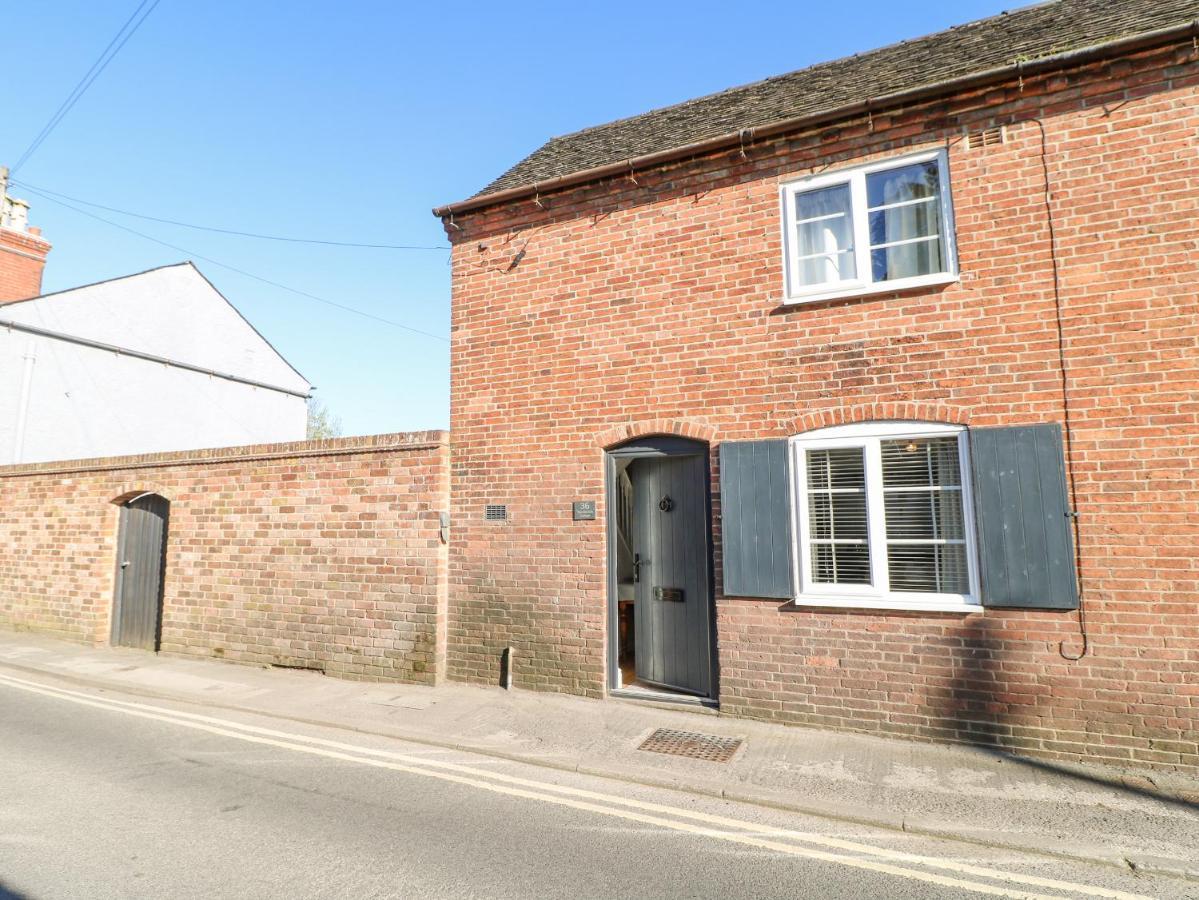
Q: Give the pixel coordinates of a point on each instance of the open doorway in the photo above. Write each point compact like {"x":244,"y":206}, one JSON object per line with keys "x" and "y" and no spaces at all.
{"x":660,"y":569}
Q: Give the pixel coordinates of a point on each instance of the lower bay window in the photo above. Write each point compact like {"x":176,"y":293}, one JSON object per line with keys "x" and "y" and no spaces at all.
{"x":883,"y":517}
{"x":895,"y":515}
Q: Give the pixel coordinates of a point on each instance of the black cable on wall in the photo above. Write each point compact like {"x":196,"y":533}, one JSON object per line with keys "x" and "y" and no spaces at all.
{"x":1065,"y":379}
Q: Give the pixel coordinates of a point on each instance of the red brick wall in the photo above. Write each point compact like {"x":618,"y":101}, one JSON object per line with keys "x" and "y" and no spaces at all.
{"x":321,"y":554}
{"x":22,"y":259}
{"x":656,"y":307}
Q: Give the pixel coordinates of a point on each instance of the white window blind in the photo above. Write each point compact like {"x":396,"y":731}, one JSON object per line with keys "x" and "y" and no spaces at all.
{"x":883,"y":515}
{"x":922,"y":500}
{"x":839,"y":551}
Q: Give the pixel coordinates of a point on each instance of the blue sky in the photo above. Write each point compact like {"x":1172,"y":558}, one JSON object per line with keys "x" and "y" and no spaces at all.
{"x":349,"y":121}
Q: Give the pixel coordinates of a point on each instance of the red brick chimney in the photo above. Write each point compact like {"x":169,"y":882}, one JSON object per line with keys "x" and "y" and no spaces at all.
{"x":22,"y":249}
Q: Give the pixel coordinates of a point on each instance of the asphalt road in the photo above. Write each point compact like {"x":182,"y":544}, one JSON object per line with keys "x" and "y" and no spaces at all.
{"x":108,"y":795}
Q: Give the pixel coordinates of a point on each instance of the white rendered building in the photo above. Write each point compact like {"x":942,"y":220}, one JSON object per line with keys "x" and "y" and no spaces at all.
{"x":146,"y":363}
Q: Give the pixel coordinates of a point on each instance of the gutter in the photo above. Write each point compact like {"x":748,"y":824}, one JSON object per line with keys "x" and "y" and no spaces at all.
{"x":1141,"y":41}
{"x":148,"y":357}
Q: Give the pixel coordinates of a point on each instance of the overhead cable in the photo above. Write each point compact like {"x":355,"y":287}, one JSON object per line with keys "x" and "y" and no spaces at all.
{"x":89,"y":77}
{"x":243,"y":272}
{"x":249,"y":234}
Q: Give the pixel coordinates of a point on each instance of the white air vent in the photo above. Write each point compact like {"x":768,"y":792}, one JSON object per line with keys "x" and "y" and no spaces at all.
{"x":986,"y":137}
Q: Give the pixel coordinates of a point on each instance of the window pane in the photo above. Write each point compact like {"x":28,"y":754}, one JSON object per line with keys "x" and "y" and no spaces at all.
{"x":820,"y":516}
{"x":924,"y":515}
{"x":832,"y":267}
{"x":902,"y":223}
{"x":907,"y":260}
{"x":922,"y":506}
{"x":840,"y":515}
{"x":921,"y":462}
{"x":841,"y":467}
{"x":839,"y":552}
{"x":840,"y":564}
{"x":928,"y":568}
{"x":824,"y":235}
{"x":905,"y":183}
{"x":905,"y":206}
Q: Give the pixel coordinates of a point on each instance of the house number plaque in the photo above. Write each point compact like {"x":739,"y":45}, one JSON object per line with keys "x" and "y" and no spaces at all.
{"x":583,"y":510}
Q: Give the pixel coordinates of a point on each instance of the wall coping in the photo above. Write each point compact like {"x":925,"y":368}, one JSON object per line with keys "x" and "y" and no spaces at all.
{"x":370,"y":443}
{"x":25,"y":239}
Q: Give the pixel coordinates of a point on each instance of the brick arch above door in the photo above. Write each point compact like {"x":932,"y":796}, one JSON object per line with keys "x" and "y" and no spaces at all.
{"x":133,"y":490}
{"x":627,"y":431}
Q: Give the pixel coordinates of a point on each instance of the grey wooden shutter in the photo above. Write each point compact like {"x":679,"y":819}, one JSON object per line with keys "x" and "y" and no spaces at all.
{"x":1022,"y":511}
{"x":755,"y":505}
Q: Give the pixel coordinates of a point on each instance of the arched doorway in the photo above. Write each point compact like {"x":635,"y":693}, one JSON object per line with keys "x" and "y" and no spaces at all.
{"x":659,"y":568}
{"x":141,"y":566}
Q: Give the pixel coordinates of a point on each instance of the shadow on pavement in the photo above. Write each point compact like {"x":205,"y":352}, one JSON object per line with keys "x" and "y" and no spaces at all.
{"x":6,"y":893}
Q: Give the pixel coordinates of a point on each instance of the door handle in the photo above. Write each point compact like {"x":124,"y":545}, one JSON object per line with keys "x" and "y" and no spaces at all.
{"x":124,"y":563}
{"x":638,"y":562}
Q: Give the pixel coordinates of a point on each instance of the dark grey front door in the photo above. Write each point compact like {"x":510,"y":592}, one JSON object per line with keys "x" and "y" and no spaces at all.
{"x":141,"y":560}
{"x":672,"y":612}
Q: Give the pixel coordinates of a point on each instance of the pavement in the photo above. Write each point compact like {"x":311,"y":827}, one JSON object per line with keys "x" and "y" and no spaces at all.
{"x":1135,"y":821}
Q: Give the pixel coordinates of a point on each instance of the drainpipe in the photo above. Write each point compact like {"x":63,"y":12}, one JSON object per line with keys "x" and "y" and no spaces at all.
{"x":18,"y":445}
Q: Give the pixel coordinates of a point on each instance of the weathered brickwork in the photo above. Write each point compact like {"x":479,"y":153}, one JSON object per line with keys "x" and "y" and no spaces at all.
{"x":319,"y":554}
{"x":620,"y":308}
{"x":22,"y":259}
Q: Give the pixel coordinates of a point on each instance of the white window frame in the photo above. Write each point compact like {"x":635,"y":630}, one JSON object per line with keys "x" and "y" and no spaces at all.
{"x":878,"y":594}
{"x":796,"y":292}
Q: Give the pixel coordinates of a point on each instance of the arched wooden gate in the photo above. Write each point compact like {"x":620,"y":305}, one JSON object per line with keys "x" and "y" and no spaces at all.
{"x":141,"y":565}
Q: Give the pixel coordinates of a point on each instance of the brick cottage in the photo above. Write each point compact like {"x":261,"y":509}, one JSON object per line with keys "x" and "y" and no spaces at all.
{"x":863,"y":397}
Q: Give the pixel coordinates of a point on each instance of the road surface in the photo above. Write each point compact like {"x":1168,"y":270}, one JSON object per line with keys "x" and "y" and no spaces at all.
{"x":110,"y":795}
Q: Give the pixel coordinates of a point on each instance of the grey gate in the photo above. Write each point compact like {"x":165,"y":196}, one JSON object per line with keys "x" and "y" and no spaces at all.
{"x":673,"y":609}
{"x":141,"y":564}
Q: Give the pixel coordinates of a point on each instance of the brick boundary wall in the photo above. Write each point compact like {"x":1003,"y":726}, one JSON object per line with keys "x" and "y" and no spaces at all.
{"x":325,"y":555}
{"x":590,"y":315}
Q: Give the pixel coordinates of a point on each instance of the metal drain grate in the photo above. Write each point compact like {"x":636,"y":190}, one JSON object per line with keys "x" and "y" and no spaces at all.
{"x":691,"y":744}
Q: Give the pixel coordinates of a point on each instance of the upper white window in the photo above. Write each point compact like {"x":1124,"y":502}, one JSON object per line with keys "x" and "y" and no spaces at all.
{"x":880,"y":227}
{"x":884,"y":517}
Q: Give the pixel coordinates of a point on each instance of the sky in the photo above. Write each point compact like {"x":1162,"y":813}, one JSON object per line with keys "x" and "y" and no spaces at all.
{"x":348,"y":122}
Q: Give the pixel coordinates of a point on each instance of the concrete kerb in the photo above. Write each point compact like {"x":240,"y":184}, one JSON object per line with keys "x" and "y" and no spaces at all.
{"x":1148,"y":864}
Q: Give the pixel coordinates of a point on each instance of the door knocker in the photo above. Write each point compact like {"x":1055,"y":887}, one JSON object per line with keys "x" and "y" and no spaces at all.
{"x":666,"y":504}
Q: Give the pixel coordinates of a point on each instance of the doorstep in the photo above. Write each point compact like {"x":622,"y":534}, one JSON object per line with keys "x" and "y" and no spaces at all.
{"x":652,"y":698}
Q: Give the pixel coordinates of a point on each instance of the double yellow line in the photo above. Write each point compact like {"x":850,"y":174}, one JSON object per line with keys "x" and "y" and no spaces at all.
{"x":793,"y":843}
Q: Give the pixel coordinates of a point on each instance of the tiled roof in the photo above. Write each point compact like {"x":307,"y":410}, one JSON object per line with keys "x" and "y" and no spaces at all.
{"x":1023,"y":35}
